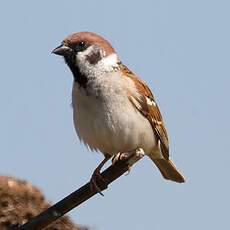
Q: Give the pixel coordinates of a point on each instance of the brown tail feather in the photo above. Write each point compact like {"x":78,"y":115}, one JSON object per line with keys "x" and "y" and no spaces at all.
{"x":168,"y":170}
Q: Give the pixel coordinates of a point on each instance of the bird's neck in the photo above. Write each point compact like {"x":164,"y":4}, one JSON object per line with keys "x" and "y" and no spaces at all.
{"x":85,"y":71}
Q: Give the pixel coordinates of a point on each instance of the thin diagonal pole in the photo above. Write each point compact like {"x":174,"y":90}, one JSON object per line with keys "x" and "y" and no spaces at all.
{"x":81,"y":195}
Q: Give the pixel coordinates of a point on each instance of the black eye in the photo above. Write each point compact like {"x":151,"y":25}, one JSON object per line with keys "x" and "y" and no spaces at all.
{"x":81,"y":43}
{"x":80,"y":46}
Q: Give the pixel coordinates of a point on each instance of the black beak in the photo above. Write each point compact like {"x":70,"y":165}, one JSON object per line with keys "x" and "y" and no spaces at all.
{"x":62,"y":50}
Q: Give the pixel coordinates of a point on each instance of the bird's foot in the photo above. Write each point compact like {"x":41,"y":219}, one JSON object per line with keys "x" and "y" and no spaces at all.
{"x":97,"y":182}
{"x":139,"y":153}
{"x":121,"y":157}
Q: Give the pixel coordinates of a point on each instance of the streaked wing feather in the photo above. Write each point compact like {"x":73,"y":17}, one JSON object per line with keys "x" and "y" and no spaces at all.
{"x":147,"y":106}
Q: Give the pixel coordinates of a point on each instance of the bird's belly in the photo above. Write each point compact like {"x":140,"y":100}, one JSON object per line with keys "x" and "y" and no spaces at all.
{"x":113,"y":128}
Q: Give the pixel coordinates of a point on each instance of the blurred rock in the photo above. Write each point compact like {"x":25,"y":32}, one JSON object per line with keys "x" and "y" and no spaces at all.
{"x":20,"y":200}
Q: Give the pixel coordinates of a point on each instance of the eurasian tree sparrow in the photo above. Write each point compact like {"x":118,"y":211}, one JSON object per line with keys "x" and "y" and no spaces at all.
{"x":113,"y":110}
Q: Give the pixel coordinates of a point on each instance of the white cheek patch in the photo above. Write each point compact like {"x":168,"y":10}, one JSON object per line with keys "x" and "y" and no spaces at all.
{"x":106,"y":64}
{"x":110,"y":60}
{"x":81,"y":56}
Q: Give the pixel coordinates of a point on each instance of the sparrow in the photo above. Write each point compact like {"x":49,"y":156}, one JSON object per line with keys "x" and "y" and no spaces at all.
{"x":114,"y":111}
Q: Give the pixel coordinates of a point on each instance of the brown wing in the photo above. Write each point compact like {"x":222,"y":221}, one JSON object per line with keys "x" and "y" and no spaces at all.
{"x":147,"y":105}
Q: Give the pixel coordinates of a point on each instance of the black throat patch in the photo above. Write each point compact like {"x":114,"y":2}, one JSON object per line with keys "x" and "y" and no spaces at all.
{"x":80,"y":78}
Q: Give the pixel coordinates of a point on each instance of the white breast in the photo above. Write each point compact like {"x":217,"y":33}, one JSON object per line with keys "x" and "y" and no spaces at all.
{"x":106,"y":120}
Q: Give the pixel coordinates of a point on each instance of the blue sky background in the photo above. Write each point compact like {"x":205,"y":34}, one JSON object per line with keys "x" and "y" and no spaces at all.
{"x":180,"y":48}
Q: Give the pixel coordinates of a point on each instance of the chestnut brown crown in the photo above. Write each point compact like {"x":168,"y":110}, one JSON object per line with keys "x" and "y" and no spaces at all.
{"x":89,"y":38}
{"x":80,"y":41}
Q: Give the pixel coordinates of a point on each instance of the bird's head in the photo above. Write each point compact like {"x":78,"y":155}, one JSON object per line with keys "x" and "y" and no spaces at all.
{"x":87,"y":53}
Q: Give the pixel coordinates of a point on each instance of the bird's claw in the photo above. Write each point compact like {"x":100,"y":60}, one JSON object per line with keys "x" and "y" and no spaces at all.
{"x":120,"y":157}
{"x":97,"y":182}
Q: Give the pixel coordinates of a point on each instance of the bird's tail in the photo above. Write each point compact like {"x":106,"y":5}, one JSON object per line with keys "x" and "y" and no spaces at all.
{"x":168,"y":170}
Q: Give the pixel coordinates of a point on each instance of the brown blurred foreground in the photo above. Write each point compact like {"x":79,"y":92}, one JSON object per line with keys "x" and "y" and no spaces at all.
{"x":20,"y":200}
